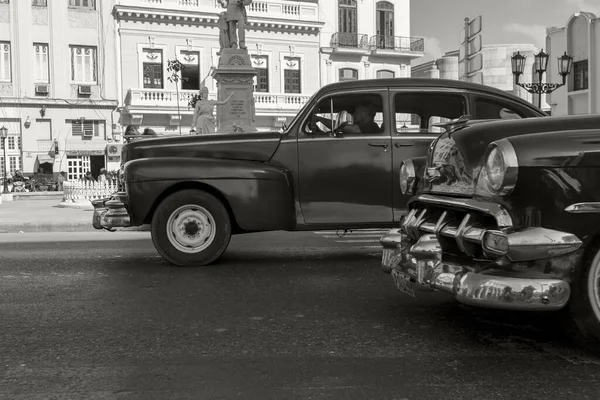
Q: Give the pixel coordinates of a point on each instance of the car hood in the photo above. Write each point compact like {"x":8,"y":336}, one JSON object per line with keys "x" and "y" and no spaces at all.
{"x":252,"y":146}
{"x":455,"y":157}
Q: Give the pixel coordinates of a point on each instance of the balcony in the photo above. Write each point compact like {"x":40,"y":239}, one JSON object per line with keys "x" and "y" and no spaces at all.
{"x":400,"y":44}
{"x":165,"y":101}
{"x":349,"y":42}
{"x":344,"y":42}
{"x":271,"y":9}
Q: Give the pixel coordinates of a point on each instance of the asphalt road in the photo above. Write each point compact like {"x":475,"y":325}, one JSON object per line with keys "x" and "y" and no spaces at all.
{"x":283,"y":316}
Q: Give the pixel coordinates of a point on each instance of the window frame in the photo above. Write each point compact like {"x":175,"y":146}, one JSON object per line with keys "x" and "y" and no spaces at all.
{"x":93,"y":66}
{"x":39,"y":3}
{"x":581,"y":78}
{"x":376,"y":91}
{"x":5,"y":61}
{"x":46,"y":68}
{"x":259,"y":67}
{"x":499,"y":101}
{"x":78,"y":4}
{"x":292,"y":69}
{"x":466,"y":99}
{"x":385,"y":70}
{"x":342,"y":70}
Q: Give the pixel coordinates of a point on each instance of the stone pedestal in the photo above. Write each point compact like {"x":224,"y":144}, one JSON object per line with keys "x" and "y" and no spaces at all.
{"x":235,"y":74}
{"x":7,"y":197}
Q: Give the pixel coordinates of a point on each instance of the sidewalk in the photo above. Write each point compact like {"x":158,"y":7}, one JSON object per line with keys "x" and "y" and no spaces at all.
{"x":45,"y":216}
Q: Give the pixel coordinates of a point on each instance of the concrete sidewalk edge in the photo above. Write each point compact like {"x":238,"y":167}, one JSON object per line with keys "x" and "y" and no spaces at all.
{"x":62,"y":227}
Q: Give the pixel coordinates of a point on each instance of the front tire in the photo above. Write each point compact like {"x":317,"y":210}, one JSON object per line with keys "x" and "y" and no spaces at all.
{"x":191,"y":228}
{"x":584,"y":307}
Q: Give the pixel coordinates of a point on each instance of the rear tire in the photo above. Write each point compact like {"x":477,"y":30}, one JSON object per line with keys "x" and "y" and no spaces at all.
{"x":191,"y":228}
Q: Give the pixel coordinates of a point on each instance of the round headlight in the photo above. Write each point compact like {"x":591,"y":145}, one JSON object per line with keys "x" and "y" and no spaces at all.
{"x":495,"y":169}
{"x":501,"y":167}
{"x":407,"y":177}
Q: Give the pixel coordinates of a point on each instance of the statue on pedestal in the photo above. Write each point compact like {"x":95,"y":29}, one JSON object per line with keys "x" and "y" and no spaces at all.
{"x":203,"y":121}
{"x":234,"y":18}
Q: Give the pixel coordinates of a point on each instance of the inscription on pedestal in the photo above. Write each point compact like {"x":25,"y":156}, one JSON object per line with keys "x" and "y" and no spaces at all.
{"x":238,"y":109}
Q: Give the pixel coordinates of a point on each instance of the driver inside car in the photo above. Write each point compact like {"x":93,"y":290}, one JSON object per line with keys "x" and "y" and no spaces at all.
{"x":364,"y":121}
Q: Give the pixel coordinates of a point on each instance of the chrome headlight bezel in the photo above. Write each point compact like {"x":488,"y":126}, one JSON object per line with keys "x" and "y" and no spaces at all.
{"x":407,"y":177}
{"x":500,"y":170}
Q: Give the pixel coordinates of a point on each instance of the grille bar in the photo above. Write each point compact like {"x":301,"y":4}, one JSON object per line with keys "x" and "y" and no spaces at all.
{"x":466,"y":230}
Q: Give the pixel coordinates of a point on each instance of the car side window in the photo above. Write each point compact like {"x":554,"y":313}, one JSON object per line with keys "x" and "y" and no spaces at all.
{"x":355,"y":113}
{"x":418,"y":112}
{"x":495,"y":109}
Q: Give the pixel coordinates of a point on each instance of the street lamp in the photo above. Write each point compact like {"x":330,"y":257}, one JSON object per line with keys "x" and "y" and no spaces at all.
{"x":3,"y":136}
{"x":565,"y":62}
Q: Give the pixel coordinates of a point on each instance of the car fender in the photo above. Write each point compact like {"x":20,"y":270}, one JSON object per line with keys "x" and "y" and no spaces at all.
{"x":258,"y":195}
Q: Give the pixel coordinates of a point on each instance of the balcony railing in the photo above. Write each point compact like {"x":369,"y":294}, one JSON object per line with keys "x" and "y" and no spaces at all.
{"x":397,"y":43}
{"x":161,"y":98}
{"x":302,"y":11}
{"x":349,"y":40}
{"x":363,"y":42}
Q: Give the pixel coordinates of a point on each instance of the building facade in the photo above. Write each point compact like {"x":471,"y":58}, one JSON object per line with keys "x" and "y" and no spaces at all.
{"x":496,"y":71}
{"x":580,"y":38}
{"x":282,"y":38}
{"x":56,"y":58}
{"x":375,"y":45}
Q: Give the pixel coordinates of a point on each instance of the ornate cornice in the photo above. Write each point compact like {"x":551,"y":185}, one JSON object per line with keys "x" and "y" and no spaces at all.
{"x":210,"y":19}
{"x":57,"y":103}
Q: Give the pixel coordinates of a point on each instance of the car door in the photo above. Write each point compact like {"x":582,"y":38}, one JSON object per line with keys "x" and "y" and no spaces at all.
{"x":415,"y":112}
{"x":346,"y":180}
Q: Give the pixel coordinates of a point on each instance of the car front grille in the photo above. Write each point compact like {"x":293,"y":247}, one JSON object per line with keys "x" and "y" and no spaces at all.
{"x":459,"y":230}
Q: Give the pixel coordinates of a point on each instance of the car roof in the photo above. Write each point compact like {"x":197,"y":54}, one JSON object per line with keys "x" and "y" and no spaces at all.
{"x":424,"y":83}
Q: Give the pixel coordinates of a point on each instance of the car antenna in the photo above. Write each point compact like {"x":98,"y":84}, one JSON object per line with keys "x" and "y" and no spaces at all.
{"x":452,"y":124}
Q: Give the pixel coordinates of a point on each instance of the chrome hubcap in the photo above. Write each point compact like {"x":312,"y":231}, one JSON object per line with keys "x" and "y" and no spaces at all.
{"x":191,"y":228}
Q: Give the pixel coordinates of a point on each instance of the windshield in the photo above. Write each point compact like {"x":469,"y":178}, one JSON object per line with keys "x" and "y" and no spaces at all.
{"x":308,"y":102}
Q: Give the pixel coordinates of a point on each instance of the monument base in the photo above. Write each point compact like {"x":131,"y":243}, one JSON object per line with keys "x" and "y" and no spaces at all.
{"x":235,"y":74}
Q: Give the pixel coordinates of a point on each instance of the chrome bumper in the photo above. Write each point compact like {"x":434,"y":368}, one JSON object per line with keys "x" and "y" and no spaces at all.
{"x":110,"y":213}
{"x":420,"y":264}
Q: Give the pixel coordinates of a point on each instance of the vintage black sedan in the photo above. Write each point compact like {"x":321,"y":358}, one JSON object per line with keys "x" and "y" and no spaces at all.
{"x":505,"y":214}
{"x":335,"y":167}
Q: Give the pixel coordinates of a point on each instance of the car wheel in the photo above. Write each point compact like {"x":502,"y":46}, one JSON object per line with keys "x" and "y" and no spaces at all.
{"x":584,"y":307}
{"x":191,"y":228}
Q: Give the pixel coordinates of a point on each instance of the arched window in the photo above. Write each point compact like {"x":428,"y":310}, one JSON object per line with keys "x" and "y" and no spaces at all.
{"x":385,"y":24}
{"x":348,"y":74}
{"x":385,"y":73}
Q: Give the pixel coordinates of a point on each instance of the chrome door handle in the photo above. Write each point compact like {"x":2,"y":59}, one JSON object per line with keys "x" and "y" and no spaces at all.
{"x":403,"y":144}
{"x":385,"y":146}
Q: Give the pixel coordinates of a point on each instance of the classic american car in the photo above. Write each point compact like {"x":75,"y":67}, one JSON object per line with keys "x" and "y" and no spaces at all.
{"x":505,"y":214}
{"x":327,"y":170}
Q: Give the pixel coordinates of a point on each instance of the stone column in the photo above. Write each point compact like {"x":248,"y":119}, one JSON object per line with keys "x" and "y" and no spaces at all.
{"x":235,"y":74}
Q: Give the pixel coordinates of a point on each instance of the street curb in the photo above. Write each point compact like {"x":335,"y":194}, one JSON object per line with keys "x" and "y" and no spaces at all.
{"x":62,"y":227}
{"x":79,"y":206}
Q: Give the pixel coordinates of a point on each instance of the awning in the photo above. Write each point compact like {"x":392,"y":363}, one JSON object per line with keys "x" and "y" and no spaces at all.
{"x":45,"y":158}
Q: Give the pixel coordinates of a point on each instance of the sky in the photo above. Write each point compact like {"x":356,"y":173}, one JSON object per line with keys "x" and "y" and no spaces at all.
{"x":503,"y":21}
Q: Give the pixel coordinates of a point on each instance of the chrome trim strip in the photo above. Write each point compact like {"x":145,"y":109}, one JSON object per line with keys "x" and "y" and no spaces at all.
{"x":150,"y":146}
{"x":423,"y":136}
{"x":584,"y":208}
{"x":318,"y":138}
{"x":502,"y":216}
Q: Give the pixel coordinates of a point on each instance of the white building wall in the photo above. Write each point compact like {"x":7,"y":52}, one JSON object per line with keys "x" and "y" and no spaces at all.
{"x":580,"y":38}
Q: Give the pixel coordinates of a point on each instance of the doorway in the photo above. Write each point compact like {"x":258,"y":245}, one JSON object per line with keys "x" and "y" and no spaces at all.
{"x":96,"y":164}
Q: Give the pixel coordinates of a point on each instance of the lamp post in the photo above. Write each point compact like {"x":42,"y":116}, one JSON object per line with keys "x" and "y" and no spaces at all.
{"x":565,"y":62}
{"x":3,"y":136}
